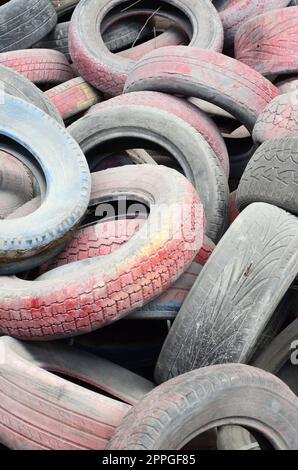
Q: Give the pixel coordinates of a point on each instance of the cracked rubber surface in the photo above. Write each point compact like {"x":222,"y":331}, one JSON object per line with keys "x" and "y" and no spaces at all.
{"x":272,"y":176}
{"x":41,"y":411}
{"x":200,"y":73}
{"x":279,"y":119}
{"x":181,"y":108}
{"x":174,"y":413}
{"x":67,"y":178}
{"x":146,"y":126}
{"x":231,"y":305}
{"x":108,"y":72}
{"x":268,"y":42}
{"x":95,"y":292}
{"x":41,"y":66}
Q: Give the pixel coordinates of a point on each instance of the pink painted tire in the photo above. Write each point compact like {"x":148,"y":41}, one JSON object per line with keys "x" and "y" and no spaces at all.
{"x":41,"y":66}
{"x":73,"y":97}
{"x":180,"y":108}
{"x":173,"y":414}
{"x":279,"y":119}
{"x":84,"y":296}
{"x":236,"y":12}
{"x":199,"y":73}
{"x":104,"y":238}
{"x":108,"y":72}
{"x":41,"y":411}
{"x":268,"y":43}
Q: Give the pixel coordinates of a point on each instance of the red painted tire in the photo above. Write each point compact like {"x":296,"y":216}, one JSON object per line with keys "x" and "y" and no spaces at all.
{"x":204,"y":74}
{"x":173,"y":414}
{"x":89,"y":295}
{"x":73,"y":97}
{"x":41,"y":66}
{"x":16,"y":184}
{"x":238,"y":12}
{"x":279,"y":119}
{"x":268,"y":43}
{"x":108,"y":72}
{"x":182,"y":109}
{"x":41,"y":411}
{"x":104,"y":238}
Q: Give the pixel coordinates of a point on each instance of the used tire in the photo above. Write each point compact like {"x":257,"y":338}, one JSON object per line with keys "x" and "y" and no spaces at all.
{"x":236,"y":13}
{"x":279,"y":119}
{"x":108,"y":72}
{"x":271,"y":176}
{"x":227,"y":312}
{"x":73,"y":97}
{"x":174,"y":413}
{"x":64,"y":416}
{"x":147,"y":127}
{"x":41,"y":66}
{"x":17,"y":85}
{"x":57,"y":40}
{"x":267,"y":43}
{"x":24,"y":22}
{"x":123,"y":34}
{"x":96,"y":292}
{"x":20,"y":249}
{"x":180,"y":108}
{"x":16,"y":184}
{"x":204,"y":74}
{"x":104,"y":238}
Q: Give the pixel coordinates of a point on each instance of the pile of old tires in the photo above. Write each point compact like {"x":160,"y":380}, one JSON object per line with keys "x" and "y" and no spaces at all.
{"x":148,"y":232}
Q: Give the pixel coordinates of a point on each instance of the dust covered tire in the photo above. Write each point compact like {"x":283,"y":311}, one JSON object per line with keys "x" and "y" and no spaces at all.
{"x":108,"y":72}
{"x":174,"y":413}
{"x":41,"y":66}
{"x":200,"y":73}
{"x":221,"y":321}
{"x":24,"y":22}
{"x":271,"y":176}
{"x":268,"y":42}
{"x":88,"y":418}
{"x":98,"y":291}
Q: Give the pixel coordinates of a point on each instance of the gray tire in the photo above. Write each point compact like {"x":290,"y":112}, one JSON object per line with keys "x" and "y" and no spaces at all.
{"x":232,"y":304}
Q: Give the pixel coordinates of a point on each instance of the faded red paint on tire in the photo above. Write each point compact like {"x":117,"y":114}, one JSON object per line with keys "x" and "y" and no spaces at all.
{"x":268,"y":43}
{"x":95,"y":294}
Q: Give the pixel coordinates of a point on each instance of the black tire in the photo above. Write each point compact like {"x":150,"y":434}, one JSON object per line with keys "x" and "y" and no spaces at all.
{"x":149,"y":126}
{"x":173,"y":414}
{"x":271,"y":176}
{"x":17,"y":85}
{"x":24,"y":22}
{"x":56,"y":39}
{"x":226,"y":314}
{"x":23,"y":244}
{"x":123,"y":34}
